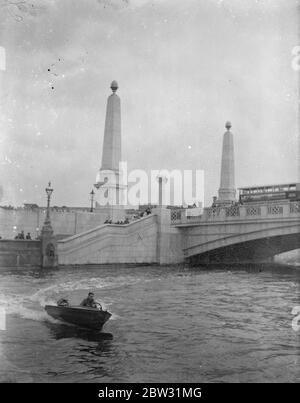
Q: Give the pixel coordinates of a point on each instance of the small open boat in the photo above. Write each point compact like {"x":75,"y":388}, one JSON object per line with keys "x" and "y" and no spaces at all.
{"x":91,"y":318}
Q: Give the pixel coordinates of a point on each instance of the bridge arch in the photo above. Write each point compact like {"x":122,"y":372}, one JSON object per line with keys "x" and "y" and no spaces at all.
{"x":259,"y":245}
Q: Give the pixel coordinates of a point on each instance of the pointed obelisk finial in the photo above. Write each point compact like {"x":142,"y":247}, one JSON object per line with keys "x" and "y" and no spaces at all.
{"x":114,"y":86}
{"x":111,"y":155}
{"x":111,"y":197}
{"x":227,"y":183}
{"x":228,"y":125}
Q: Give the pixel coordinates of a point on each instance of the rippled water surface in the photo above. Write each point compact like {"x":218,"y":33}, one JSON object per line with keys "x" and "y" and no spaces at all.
{"x":168,"y":325}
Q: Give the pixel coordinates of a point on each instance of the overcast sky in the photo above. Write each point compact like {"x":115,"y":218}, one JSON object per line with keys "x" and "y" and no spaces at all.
{"x":183,"y":68}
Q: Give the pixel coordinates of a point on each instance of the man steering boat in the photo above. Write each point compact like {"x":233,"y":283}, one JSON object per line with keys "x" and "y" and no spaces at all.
{"x":90,"y":302}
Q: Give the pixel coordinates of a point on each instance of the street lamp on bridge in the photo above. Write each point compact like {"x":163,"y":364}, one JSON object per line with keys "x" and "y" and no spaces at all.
{"x":48,"y":242}
{"x":49,"y":192}
{"x":92,"y":194}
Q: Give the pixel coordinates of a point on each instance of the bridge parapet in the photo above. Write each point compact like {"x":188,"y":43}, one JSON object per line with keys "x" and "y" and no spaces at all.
{"x":295,"y":207}
{"x":280,"y":209}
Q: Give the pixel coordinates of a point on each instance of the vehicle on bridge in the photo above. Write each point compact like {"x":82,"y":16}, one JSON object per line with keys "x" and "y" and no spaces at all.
{"x":254,"y":194}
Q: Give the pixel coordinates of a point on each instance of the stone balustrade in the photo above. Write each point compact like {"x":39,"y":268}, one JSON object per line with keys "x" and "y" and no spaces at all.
{"x":280,"y":209}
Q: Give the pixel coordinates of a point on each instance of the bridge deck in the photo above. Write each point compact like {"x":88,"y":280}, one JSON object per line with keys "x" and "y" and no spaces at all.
{"x":237,"y":212}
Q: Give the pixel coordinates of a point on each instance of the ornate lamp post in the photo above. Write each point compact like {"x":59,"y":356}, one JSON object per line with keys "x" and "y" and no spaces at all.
{"x":49,"y":192}
{"x":92,"y":200}
{"x":48,"y":242}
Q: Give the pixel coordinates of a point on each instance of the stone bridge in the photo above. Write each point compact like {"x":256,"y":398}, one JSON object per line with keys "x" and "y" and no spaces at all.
{"x":239,"y":233}
{"x":235,"y":234}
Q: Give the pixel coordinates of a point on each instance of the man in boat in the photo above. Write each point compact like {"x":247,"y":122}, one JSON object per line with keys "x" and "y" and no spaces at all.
{"x":90,"y":302}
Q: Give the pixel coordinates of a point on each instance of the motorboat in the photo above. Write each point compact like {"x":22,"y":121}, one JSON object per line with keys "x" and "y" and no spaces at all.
{"x":82,"y":316}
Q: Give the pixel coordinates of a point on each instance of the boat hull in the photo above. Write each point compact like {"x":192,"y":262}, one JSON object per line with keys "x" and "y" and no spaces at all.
{"x":90,"y":318}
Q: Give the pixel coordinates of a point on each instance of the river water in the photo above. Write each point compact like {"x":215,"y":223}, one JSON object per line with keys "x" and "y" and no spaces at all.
{"x":174,"y":324}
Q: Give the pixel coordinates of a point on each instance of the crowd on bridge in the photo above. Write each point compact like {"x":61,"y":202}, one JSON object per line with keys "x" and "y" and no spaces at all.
{"x":135,"y":217}
{"x":21,"y":235}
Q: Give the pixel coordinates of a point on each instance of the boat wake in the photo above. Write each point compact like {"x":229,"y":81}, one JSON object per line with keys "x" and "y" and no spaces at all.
{"x":32,"y":306}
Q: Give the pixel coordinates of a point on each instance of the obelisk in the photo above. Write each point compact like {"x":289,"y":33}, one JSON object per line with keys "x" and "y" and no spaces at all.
{"x":111,"y":154}
{"x":227,"y":184}
{"x":109,"y":180}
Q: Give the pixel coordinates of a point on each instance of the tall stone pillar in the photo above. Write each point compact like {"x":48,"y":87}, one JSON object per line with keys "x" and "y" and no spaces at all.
{"x":109,"y":200}
{"x":227,"y":189}
{"x":169,"y":238}
{"x":48,"y":247}
{"x":111,"y":155}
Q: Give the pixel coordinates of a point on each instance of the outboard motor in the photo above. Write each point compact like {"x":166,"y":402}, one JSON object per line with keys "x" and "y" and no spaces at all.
{"x":63,"y":302}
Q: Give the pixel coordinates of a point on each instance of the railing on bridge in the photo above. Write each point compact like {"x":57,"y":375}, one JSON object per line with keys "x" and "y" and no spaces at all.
{"x":295,"y":207}
{"x":284,"y":209}
{"x":176,"y":216}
